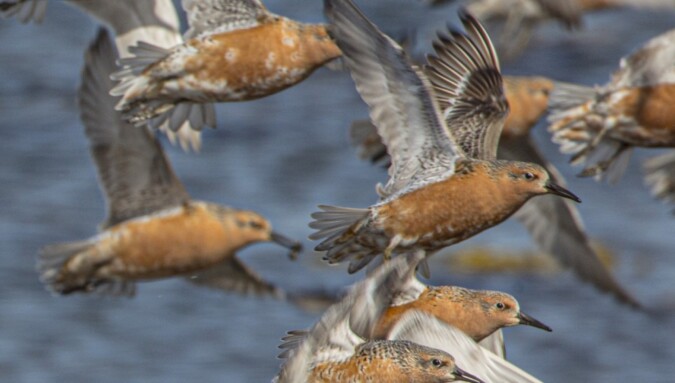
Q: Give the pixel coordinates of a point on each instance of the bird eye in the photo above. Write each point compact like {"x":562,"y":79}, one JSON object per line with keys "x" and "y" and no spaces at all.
{"x":528,"y":176}
{"x":255,"y":225}
{"x":500,"y":305}
{"x":436,"y":362}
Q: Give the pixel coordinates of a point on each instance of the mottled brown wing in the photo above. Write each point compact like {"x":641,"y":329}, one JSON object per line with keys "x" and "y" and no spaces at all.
{"x":208,"y":17}
{"x":651,"y":64}
{"x":469,"y":88}
{"x":399,"y":98}
{"x":135,"y":175}
{"x":556,"y":227}
{"x":233,"y":276}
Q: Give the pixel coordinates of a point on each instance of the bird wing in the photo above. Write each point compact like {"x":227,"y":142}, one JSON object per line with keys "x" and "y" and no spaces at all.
{"x":207,"y":17}
{"x":495,"y":343}
{"x":399,"y":98}
{"x":652,"y":63}
{"x":469,"y":89}
{"x":426,"y":330}
{"x":660,"y":176}
{"x":144,"y":33}
{"x":134,"y":173}
{"x":234,"y":276}
{"x":556,"y":227}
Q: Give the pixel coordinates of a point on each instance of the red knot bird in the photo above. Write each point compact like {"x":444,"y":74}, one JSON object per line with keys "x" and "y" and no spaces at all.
{"x":600,"y":126}
{"x":153,"y":229}
{"x":554,"y":223}
{"x":234,"y":51}
{"x":334,"y":349}
{"x":441,"y":130}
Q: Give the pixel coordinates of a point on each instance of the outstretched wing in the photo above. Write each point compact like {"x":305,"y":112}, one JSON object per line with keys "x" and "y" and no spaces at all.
{"x":469,"y":88}
{"x":135,"y":175}
{"x":426,"y":330}
{"x":399,"y":97}
{"x":233,"y":276}
{"x":653,"y":63}
{"x":217,"y":16}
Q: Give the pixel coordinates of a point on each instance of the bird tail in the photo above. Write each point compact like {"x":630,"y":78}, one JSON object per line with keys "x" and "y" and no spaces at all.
{"x":339,"y":229}
{"x":52,"y":265}
{"x":136,"y":88}
{"x":577,"y":124}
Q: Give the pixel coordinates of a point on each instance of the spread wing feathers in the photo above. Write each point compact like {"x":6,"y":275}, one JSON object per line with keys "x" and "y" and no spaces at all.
{"x":660,"y":176}
{"x":207,"y":17}
{"x":25,"y":11}
{"x":426,"y":330}
{"x":398,"y":95}
{"x":342,"y":327}
{"x":652,"y":63}
{"x":495,"y":343}
{"x":577,"y":122}
{"x":556,"y":227}
{"x":135,"y":175}
{"x":234,"y":276}
{"x":469,"y":88}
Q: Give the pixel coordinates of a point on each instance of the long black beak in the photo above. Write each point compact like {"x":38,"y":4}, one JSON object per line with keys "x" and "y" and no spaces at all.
{"x":561,"y":191}
{"x":288,"y":243}
{"x":465,"y":376}
{"x":529,"y":321}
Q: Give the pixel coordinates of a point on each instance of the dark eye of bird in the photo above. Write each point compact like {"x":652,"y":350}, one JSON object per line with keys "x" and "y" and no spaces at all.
{"x":436,"y":362}
{"x":255,"y":225}
{"x":528,"y":176}
{"x":500,"y":305}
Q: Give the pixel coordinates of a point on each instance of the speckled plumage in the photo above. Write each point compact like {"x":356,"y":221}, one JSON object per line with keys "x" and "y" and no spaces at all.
{"x":599,"y":127}
{"x":437,"y":194}
{"x":336,"y":348}
{"x":554,"y":223}
{"x":235,"y":51}
{"x":153,"y":230}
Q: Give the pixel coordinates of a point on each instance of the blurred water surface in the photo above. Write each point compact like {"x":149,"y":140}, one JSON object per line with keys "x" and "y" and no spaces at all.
{"x":282,"y":156}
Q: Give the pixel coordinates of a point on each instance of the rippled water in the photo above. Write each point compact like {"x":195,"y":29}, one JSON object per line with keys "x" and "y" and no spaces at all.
{"x":282,"y":156}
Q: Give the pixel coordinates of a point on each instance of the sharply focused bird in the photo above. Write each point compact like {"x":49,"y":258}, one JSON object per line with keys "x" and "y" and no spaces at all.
{"x":555,"y":224}
{"x":441,"y":130}
{"x":339,"y":347}
{"x":153,"y":229}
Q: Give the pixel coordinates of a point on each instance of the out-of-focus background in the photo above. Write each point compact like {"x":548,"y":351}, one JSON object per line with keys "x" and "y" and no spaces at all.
{"x":282,"y":156}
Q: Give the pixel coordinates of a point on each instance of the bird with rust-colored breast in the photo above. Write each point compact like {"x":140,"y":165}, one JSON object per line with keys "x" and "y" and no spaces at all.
{"x":554,"y":223}
{"x":235,"y":50}
{"x":153,"y":229}
{"x":336,"y":348}
{"x":480,"y":314}
{"x":599,"y":127}
{"x":342,"y":346}
{"x":441,"y":130}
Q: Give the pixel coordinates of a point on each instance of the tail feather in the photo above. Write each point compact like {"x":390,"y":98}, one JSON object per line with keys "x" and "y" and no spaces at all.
{"x":52,"y":265}
{"x":577,"y":122}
